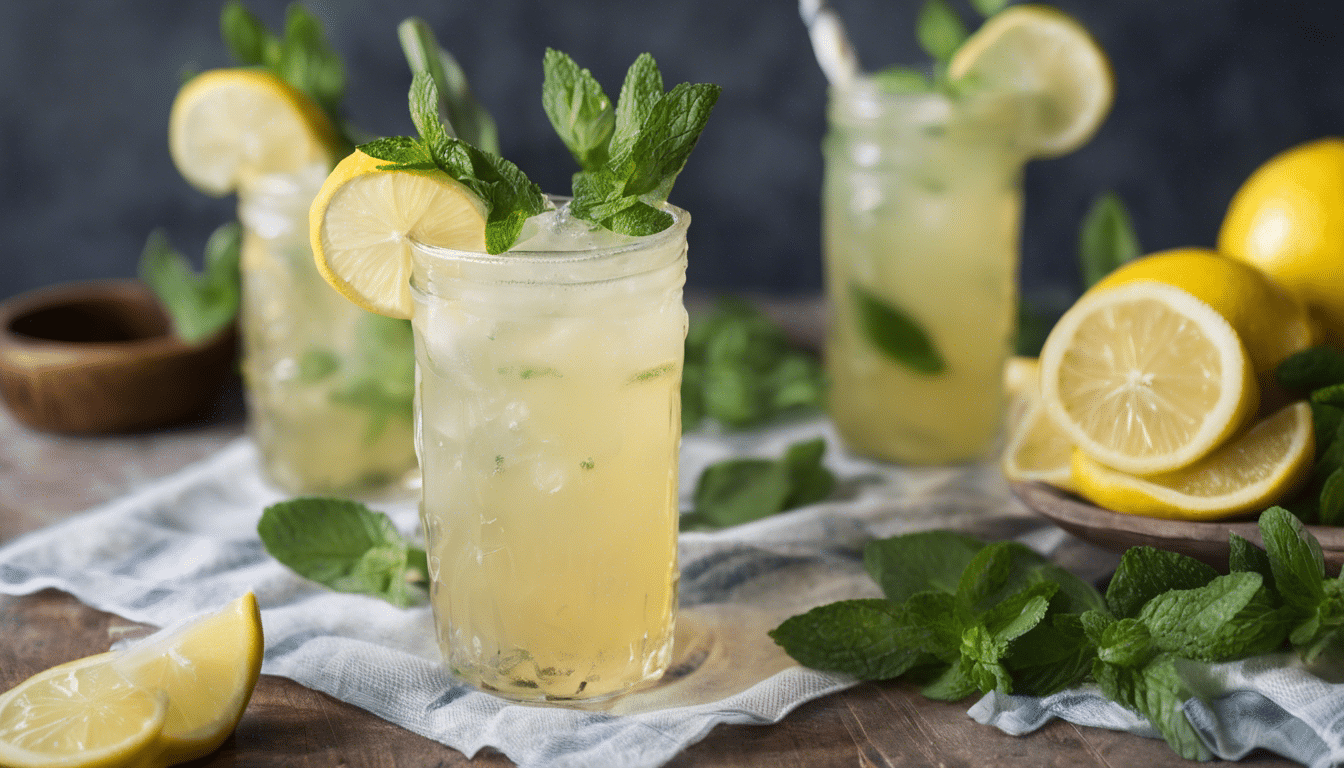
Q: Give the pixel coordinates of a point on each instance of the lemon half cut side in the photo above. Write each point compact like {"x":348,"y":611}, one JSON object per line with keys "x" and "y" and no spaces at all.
{"x":1247,"y":474}
{"x":1146,"y":378}
{"x":363,"y":220}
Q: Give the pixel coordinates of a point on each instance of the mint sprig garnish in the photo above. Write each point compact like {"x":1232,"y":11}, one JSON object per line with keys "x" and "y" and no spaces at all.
{"x":199,"y":304}
{"x":346,"y":546}
{"x":1015,"y":623}
{"x":895,"y":333}
{"x":509,"y":196}
{"x":461,"y":113}
{"x":629,"y":154}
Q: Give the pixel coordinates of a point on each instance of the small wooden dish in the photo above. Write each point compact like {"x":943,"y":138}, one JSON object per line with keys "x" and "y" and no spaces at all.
{"x":1207,"y":542}
{"x":100,"y":356}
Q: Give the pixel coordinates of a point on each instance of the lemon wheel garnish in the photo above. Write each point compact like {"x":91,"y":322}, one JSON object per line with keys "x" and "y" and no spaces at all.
{"x":79,"y":715}
{"x":1247,"y":474}
{"x":208,"y":668}
{"x":1270,"y":321}
{"x":230,"y":125}
{"x":364,"y":219}
{"x":1146,"y":378}
{"x":1037,"y":451}
{"x":173,"y":697}
{"x":1046,"y":55}
{"x":1287,"y":219}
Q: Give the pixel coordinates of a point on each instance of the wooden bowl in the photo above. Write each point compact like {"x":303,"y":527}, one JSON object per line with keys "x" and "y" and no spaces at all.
{"x":100,"y":356}
{"x":1206,"y":541}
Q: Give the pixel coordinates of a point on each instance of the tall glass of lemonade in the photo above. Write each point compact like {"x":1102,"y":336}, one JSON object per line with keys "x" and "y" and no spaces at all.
{"x":921,"y":211}
{"x":921,"y":218}
{"x":549,"y":422}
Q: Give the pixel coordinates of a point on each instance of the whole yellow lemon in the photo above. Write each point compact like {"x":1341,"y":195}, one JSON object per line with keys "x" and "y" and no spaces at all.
{"x":1287,"y":219}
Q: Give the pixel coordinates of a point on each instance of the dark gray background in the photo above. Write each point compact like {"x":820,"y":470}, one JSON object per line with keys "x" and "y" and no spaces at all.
{"x":1206,"y":90}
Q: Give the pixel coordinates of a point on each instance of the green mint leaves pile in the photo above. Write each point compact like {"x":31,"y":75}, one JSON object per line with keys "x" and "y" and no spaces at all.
{"x":1318,"y":374}
{"x":630,"y":155}
{"x":961,"y":617}
{"x":741,"y":370}
{"x":199,"y":304}
{"x":940,"y":32}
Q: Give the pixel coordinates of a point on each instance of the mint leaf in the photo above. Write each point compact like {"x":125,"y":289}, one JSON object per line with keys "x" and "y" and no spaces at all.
{"x":1107,"y":239}
{"x":400,"y":152}
{"x":1230,"y":617}
{"x":1125,"y":643}
{"x":1295,"y":558}
{"x":1054,"y":655}
{"x":244,"y":34}
{"x":918,"y":562}
{"x":997,"y":572}
{"x":669,"y":133}
{"x":988,"y":8}
{"x":578,"y":109}
{"x":1245,"y":557}
{"x":199,"y":305}
{"x":737,"y":491}
{"x":954,"y":684}
{"x":317,"y":364}
{"x":308,"y":62}
{"x":424,"y":100}
{"x":1311,"y":369}
{"x":462,"y":114}
{"x":641,"y":91}
{"x":869,"y":639}
{"x":902,"y":80}
{"x":344,"y":545}
{"x":1146,"y":572}
{"x":384,"y":383}
{"x":1156,"y":692}
{"x":895,"y":333}
{"x":939,"y":30}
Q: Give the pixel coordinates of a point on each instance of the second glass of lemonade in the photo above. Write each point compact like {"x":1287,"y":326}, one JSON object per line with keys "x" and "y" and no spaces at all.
{"x":548,"y":428}
{"x":921,"y":212}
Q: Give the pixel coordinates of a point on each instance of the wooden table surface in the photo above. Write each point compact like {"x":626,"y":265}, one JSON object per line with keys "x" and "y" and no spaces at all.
{"x":45,"y":478}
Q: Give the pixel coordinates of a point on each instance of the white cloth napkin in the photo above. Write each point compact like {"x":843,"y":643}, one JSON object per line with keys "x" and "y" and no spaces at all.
{"x":188,"y":544}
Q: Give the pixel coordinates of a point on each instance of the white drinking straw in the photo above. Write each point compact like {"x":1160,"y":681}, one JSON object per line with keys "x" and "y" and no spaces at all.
{"x":830,"y":42}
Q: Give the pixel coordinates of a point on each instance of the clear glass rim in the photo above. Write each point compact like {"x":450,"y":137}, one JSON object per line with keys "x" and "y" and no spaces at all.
{"x":681,"y":223}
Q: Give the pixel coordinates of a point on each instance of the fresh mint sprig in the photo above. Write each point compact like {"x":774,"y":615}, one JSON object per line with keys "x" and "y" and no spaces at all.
{"x":345,"y":546}
{"x":460,"y":112}
{"x":940,"y":31}
{"x":629,"y":154}
{"x":1014,"y":623}
{"x":199,"y":304}
{"x":510,"y":197}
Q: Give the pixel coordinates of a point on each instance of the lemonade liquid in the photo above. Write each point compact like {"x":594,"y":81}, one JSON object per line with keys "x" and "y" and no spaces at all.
{"x":921,"y":212}
{"x":548,"y":428}
{"x":329,"y":386}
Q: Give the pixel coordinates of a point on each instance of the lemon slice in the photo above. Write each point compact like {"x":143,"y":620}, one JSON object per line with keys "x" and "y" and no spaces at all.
{"x":79,"y":715}
{"x":1044,"y":54}
{"x":208,"y":668}
{"x":230,"y":125}
{"x":363,"y":221}
{"x":1249,"y":473}
{"x":1145,"y":378}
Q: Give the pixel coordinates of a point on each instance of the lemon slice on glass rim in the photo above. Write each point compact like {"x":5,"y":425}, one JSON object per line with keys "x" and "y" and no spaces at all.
{"x":1145,"y":378}
{"x":1046,"y":55}
{"x":228,"y":126}
{"x":363,"y":220}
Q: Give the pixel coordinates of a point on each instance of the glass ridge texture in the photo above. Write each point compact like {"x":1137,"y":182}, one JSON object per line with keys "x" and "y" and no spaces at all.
{"x":921,"y":209}
{"x":329,"y":387}
{"x":548,"y":425}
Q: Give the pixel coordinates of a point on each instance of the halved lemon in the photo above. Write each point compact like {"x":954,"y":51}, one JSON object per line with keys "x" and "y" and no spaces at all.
{"x":1247,"y":474}
{"x":1038,"y":451}
{"x":1046,"y":55}
{"x":363,"y":221}
{"x":79,"y":715}
{"x":1146,"y":378}
{"x":230,"y":125}
{"x":208,"y":668}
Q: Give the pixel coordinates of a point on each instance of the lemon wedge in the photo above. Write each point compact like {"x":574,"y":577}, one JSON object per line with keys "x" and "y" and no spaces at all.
{"x":175,"y":696}
{"x":1271,"y":322}
{"x":363,"y":220}
{"x":208,"y":668}
{"x":228,"y":126}
{"x":1046,"y":55}
{"x":79,"y":715}
{"x":1146,"y":378}
{"x":1248,"y":473}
